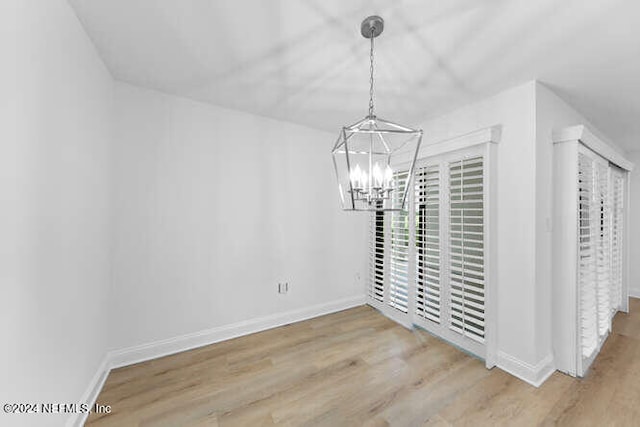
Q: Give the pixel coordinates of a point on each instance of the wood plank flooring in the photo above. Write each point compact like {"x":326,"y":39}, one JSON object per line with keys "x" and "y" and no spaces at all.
{"x":356,"y":368}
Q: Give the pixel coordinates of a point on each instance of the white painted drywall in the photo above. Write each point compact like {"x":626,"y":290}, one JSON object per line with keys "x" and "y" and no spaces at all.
{"x":54,"y":207}
{"x":547,"y":118}
{"x":191,"y":250}
{"x":514,"y":111}
{"x":213,"y":208}
{"x":634,"y":226}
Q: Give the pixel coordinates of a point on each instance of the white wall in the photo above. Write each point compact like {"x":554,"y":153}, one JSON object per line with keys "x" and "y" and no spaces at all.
{"x":212,"y":208}
{"x":516,"y":213}
{"x":54,"y":207}
{"x":634,"y":226}
{"x":128,"y":223}
{"x":549,"y":114}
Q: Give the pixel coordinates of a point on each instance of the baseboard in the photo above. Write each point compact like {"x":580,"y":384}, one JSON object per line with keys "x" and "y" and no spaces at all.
{"x":532,"y":374}
{"x":91,"y":393}
{"x":153,"y":350}
{"x":634,"y":293}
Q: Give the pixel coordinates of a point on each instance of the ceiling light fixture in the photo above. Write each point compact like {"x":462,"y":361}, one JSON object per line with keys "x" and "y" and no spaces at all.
{"x":374,"y":158}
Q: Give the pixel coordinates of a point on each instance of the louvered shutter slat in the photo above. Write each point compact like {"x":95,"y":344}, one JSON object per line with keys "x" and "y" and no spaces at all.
{"x":427,"y":212}
{"x":466,"y":243}
{"x":617,"y":239}
{"x":399,"y":247}
{"x":376,"y":257}
{"x":603,"y":249}
{"x":586,"y":272}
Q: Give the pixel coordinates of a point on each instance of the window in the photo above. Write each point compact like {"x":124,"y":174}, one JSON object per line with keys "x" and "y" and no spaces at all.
{"x":376,"y":257}
{"x":617,"y":240}
{"x":427,"y":206}
{"x":603,"y":259}
{"x":433,"y":255}
{"x":399,"y":256}
{"x":466,"y":247}
{"x":586,"y":264}
{"x":599,"y":250}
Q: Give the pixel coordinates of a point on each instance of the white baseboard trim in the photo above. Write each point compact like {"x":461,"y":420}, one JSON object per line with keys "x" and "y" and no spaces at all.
{"x":140,"y":353}
{"x":634,"y":293}
{"x":532,"y":374}
{"x":91,"y":393}
{"x":153,"y":350}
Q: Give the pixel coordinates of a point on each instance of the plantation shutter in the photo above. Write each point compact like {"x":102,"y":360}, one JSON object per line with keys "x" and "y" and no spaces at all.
{"x":617,"y":238}
{"x":466,"y":248}
{"x":427,"y":208}
{"x":589,"y":279}
{"x":587,"y":217}
{"x":428,"y":262}
{"x":399,"y":249}
{"x":603,"y":267}
{"x":376,"y":257}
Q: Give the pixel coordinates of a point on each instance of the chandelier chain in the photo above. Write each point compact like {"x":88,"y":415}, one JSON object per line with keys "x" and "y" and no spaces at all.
{"x":371,"y":110}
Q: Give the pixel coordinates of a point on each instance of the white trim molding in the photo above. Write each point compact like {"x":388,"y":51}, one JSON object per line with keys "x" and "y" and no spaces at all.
{"x":583,"y":134}
{"x":531,"y":374}
{"x":91,"y":393}
{"x":156,"y":349}
{"x":153,"y":350}
{"x":634,"y":293}
{"x":482,"y":136}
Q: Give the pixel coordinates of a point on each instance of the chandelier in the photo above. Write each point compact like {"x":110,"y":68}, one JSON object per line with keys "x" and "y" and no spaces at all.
{"x":374,"y":158}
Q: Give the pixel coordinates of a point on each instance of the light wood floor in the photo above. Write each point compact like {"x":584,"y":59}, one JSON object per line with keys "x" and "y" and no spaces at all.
{"x":357,"y":368}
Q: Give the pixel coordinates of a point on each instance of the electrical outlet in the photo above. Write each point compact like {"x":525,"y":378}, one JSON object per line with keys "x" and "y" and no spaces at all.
{"x":283,"y":287}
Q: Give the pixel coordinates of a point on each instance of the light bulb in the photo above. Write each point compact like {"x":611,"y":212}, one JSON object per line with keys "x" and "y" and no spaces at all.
{"x":377,"y":175}
{"x":388,"y":176}
{"x":355,"y":176}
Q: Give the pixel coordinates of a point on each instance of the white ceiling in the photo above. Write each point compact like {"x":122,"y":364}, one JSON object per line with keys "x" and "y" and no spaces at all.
{"x":304,"y":60}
